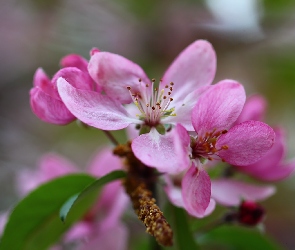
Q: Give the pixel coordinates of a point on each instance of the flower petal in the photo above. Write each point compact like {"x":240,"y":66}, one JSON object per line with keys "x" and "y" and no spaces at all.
{"x":42,"y":81}
{"x":193,"y":68}
{"x":114,"y":73}
{"x":231,"y":192}
{"x":158,"y":151}
{"x":104,"y":162}
{"x":49,"y":109}
{"x":115,"y":238}
{"x":270,"y":162}
{"x":183,"y":109}
{"x":219,"y":107}
{"x":52,"y":165}
{"x":75,"y":77}
{"x":247,"y":142}
{"x":94,"y":109}
{"x":74,"y":60}
{"x":196,"y":191}
{"x":254,"y":109}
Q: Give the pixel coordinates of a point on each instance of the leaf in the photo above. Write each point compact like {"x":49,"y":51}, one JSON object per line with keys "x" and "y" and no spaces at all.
{"x":77,"y":205}
{"x":237,"y":237}
{"x":183,"y":236}
{"x":34,"y":223}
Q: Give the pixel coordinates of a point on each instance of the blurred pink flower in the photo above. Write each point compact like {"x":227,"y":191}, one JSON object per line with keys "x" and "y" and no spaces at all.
{"x":271,"y":167}
{"x":103,"y":219}
{"x":44,"y":98}
{"x":125,"y":82}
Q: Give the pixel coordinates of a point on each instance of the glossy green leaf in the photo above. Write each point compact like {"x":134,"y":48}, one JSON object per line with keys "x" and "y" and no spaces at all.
{"x":236,"y":237}
{"x":79,"y":204}
{"x":34,"y":223}
{"x":183,"y":236}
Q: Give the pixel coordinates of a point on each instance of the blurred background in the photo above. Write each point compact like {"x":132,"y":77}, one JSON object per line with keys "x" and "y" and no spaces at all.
{"x":254,"y":41}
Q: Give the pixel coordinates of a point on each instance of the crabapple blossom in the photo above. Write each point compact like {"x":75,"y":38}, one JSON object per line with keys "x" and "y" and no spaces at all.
{"x":213,"y":116}
{"x":44,"y":98}
{"x":154,"y":109}
{"x":271,"y":167}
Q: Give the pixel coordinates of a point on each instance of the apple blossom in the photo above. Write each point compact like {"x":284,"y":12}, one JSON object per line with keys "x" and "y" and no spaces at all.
{"x":154,"y":109}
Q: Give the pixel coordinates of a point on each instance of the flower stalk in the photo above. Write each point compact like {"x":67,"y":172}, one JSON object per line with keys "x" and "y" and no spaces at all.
{"x":138,"y":186}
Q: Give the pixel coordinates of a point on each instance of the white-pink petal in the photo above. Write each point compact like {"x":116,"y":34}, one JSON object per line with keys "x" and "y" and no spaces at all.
{"x":114,"y":73}
{"x":158,"y":151}
{"x":94,"y":109}
{"x":230,"y":192}
{"x":193,"y":68}
{"x":219,"y":107}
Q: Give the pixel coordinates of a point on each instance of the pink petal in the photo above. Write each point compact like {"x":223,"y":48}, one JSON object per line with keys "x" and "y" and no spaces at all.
{"x":116,"y":205}
{"x":219,"y":107}
{"x":74,"y":60}
{"x":196,"y":191}
{"x":278,"y":172}
{"x":104,"y":162}
{"x":231,"y":192}
{"x":79,"y":231}
{"x":173,"y":192}
{"x":42,"y":81}
{"x":3,"y":220}
{"x":94,"y":109}
{"x":193,"y":68}
{"x":27,"y":180}
{"x":158,"y":151}
{"x":183,"y":109}
{"x":114,"y":73}
{"x":254,"y":109}
{"x":75,"y":77}
{"x":53,"y":165}
{"x":270,"y":162}
{"x":247,"y":142}
{"x":115,"y":238}
{"x":49,"y":109}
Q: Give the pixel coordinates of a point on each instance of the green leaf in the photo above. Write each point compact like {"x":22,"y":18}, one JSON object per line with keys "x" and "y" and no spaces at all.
{"x":77,"y":205}
{"x":183,"y":236}
{"x":34,"y":223}
{"x":237,"y":237}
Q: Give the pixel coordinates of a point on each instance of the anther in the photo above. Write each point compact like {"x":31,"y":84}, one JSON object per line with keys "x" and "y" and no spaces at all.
{"x":210,"y":159}
{"x":171,"y":83}
{"x":147,"y":85}
{"x":164,"y":97}
{"x":139,"y":79}
{"x":128,"y":87}
{"x":171,"y":88}
{"x":224,"y":131}
{"x":171,"y":99}
{"x":153,"y":108}
{"x":153,"y":80}
{"x":166,"y":86}
{"x":224,"y":147}
{"x":169,"y":93}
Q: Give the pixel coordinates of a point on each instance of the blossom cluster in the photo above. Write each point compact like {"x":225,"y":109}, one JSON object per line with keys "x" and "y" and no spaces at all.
{"x":182,"y":125}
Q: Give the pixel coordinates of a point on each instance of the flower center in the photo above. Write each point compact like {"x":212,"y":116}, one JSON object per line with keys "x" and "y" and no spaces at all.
{"x":152,"y":103}
{"x":205,"y":147}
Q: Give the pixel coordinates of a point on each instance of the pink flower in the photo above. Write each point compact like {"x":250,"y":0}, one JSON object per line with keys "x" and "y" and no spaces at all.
{"x":212,"y":117}
{"x":271,"y":167}
{"x":155,"y":110}
{"x":104,"y":217}
{"x":44,"y":98}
